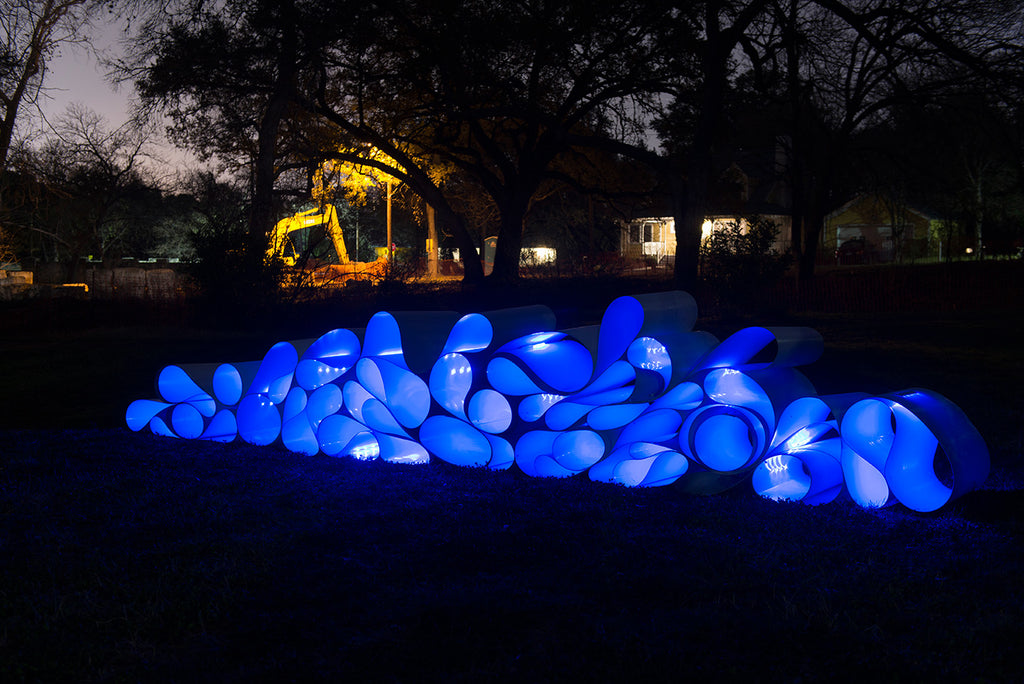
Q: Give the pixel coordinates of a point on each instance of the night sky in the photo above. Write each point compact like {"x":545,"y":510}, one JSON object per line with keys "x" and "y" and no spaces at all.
{"x":74,"y":75}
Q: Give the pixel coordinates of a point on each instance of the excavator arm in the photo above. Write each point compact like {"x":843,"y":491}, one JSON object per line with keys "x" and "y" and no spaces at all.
{"x":283,"y":244}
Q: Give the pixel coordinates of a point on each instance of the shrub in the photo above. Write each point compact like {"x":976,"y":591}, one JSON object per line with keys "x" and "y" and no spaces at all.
{"x":740,"y":263}
{"x":226,"y":277}
{"x":7,"y":255}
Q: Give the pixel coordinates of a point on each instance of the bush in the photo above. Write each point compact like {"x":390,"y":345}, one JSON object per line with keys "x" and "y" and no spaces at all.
{"x":7,"y":255}
{"x":227,"y":279}
{"x":404,"y":266}
{"x":740,"y":263}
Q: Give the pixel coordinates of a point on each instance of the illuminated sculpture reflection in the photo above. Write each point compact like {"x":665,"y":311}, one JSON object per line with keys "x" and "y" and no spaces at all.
{"x":641,"y":400}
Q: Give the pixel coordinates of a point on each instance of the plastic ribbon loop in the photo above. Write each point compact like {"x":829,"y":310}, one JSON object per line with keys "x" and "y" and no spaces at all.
{"x":641,"y":400}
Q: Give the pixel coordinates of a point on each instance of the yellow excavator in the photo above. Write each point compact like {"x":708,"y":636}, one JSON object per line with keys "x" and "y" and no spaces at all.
{"x":296,"y":237}
{"x":314,"y":239}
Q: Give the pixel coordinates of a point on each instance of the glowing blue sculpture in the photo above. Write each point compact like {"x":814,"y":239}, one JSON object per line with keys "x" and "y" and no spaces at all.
{"x":641,"y":400}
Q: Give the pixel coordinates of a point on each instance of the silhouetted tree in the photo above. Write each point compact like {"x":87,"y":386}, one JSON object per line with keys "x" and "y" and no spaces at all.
{"x":494,"y":91}
{"x":30,"y":30}
{"x":836,"y":67}
{"x":447,"y":94}
{"x":226,"y":75}
{"x":959,"y":154}
{"x":94,"y":197}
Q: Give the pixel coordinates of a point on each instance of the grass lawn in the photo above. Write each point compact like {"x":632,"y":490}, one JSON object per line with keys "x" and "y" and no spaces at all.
{"x":129,"y":557}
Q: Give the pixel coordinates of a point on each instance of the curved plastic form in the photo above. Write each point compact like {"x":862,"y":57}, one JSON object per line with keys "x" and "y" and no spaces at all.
{"x":640,"y":400}
{"x":897,"y":444}
{"x":327,"y":359}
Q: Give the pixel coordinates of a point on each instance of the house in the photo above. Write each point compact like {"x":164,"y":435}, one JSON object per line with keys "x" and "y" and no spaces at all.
{"x":872,"y":228}
{"x":753,"y":184}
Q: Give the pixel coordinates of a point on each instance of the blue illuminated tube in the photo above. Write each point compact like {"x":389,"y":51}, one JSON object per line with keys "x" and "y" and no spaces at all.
{"x":640,"y":400}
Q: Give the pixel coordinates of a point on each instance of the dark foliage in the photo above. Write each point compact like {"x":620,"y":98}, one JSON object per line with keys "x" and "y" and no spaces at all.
{"x":740,"y":263}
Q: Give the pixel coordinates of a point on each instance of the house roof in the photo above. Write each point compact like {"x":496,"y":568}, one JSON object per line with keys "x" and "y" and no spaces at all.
{"x":849,"y":204}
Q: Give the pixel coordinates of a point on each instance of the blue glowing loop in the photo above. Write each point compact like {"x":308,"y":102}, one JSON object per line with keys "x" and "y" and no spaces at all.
{"x":649,"y":354}
{"x":339,"y":435}
{"x":683,"y":397}
{"x":275,"y":374}
{"x":222,"y":428}
{"x":176,"y":386}
{"x":641,"y":400}
{"x":612,"y":387}
{"x":656,"y":317}
{"x":460,"y":443}
{"x":455,"y":441}
{"x":399,"y":450}
{"x":383,"y":338}
{"x":550,"y":360}
{"x":615,"y":416}
{"x":620,"y":325}
{"x":450,"y":382}
{"x":805,"y":455}
{"x":259,"y":420}
{"x":187,"y":422}
{"x":141,"y":411}
{"x":490,"y":411}
{"x":898,"y":439}
{"x":472,"y":333}
{"x":370,"y":411}
{"x":723,"y":438}
{"x":757,"y":348}
{"x":327,"y":359}
{"x":534,"y":454}
{"x":507,"y":377}
{"x":641,"y":464}
{"x":533,"y":407}
{"x":733,"y":388}
{"x":296,"y":432}
{"x":654,"y":426}
{"x":469,"y":435}
{"x":302,"y":414}
{"x":158,"y":426}
{"x":782,"y":478}
{"x":231,"y":380}
{"x":577,"y":450}
{"x":405,"y":394}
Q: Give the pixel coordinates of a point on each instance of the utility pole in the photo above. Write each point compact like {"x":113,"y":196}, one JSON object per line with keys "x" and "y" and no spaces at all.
{"x":431,"y":243}
{"x":391,"y":253}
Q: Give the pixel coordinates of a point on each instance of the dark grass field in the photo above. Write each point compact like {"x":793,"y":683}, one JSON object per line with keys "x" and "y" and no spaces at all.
{"x":128,"y":557}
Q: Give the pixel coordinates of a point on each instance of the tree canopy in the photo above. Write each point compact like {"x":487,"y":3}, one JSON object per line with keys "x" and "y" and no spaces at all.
{"x":29,"y":32}
{"x":501,"y":99}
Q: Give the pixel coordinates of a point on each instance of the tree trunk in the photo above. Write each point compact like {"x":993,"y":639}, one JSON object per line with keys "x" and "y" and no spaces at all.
{"x":979,"y":242}
{"x":799,"y":145}
{"x":510,"y":240}
{"x":473,"y":269}
{"x":700,"y":164}
{"x":261,"y":213}
{"x":688,"y":210}
{"x":814,"y":223}
{"x":813,"y":217}
{"x":800,"y":226}
{"x":48,"y":17}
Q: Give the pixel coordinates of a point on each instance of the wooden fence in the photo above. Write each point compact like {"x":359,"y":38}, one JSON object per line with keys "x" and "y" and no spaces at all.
{"x":958,"y":286}
{"x":158,"y":284}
